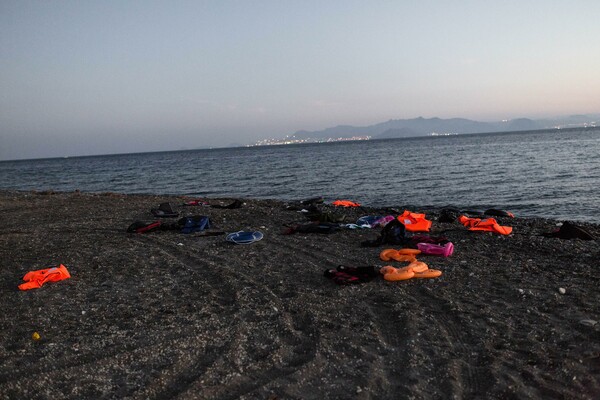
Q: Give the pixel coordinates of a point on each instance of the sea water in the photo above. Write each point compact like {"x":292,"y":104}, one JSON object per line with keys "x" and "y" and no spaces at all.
{"x":554,"y":174}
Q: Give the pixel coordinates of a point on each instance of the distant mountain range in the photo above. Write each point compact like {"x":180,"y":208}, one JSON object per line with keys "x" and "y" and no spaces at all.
{"x":400,"y":128}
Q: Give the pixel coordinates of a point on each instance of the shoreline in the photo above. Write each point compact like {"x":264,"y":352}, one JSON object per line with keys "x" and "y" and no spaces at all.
{"x":470,"y":210}
{"x":163,"y":314}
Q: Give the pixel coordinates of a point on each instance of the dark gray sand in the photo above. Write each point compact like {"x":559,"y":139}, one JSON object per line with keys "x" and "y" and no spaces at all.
{"x":166,"y":315}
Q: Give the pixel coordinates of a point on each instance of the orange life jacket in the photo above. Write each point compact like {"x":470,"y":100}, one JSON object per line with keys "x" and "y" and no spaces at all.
{"x":345,"y":203}
{"x":414,"y":222}
{"x":35,"y":279}
{"x":488,"y":225}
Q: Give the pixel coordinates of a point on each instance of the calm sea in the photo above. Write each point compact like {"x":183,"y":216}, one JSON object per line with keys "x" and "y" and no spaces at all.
{"x":552,"y":174}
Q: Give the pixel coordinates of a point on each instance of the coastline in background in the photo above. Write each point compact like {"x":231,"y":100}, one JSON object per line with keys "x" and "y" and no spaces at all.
{"x":553,"y":174}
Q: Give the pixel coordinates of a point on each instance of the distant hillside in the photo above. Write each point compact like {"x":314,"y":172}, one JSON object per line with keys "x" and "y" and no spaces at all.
{"x":399,"y":128}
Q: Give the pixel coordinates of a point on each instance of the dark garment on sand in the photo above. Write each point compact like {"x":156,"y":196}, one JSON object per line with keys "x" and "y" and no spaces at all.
{"x":314,"y":200}
{"x":143,"y":227}
{"x":236,"y":204}
{"x":393,"y":233}
{"x":449,"y":215}
{"x":325,"y":217}
{"x":498,"y":213}
{"x":569,"y":230}
{"x":345,"y":275}
{"x":195,"y":223}
{"x":164,"y":210}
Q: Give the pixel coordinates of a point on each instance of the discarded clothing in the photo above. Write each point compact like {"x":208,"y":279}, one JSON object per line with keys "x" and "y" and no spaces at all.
{"x":414,"y":222}
{"x":244,"y":237}
{"x":345,"y":203}
{"x":341,"y":278}
{"x":368,"y":220}
{"x":345,"y":275}
{"x":194,"y":223}
{"x":488,"y":225}
{"x":324,"y":216}
{"x":393,"y":233}
{"x":355,"y":226}
{"x":375,"y":220}
{"x":195,"y":203}
{"x":449,"y":215}
{"x":35,"y":279}
{"x":569,"y":230}
{"x":164,"y":210}
{"x":498,"y":213}
{"x":383,"y":221}
{"x":144,"y":227}
{"x":231,"y":206}
{"x":367,"y":271}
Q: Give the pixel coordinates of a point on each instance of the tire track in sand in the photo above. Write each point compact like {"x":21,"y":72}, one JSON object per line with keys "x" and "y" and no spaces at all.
{"x":450,"y":330}
{"x":298,"y":348}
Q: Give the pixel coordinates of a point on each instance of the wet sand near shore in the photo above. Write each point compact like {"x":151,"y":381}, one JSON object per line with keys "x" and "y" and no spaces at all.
{"x":167,"y":315}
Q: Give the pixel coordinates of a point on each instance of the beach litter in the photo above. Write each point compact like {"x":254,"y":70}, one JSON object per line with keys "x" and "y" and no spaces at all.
{"x":417,"y":269}
{"x":196,"y":223}
{"x":399,"y":255}
{"x":232,"y":206}
{"x":569,"y":230}
{"x":244,"y":237}
{"x":347,"y":275}
{"x":143,"y":227}
{"x":486,"y":225}
{"x":435,"y":249}
{"x":414,"y":222}
{"x":345,"y":203}
{"x":35,"y":279}
{"x":164,"y":210}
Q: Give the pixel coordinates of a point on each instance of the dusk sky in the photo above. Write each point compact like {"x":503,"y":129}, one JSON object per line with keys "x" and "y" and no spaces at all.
{"x":99,"y":77}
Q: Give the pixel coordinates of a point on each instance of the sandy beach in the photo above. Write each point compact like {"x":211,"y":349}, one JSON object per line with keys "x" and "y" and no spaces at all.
{"x":165,"y":315}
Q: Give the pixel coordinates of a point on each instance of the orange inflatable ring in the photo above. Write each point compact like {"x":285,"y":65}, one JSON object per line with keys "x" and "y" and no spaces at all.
{"x":404,"y":257}
{"x":386,"y":255}
{"x":399,"y":275}
{"x":430,"y":273}
{"x":388,"y":269}
{"x":411,"y":252}
{"x":417,"y":266}
{"x":398,"y":255}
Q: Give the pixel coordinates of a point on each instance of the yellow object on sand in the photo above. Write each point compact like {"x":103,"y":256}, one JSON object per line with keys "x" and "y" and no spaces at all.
{"x":36,"y":336}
